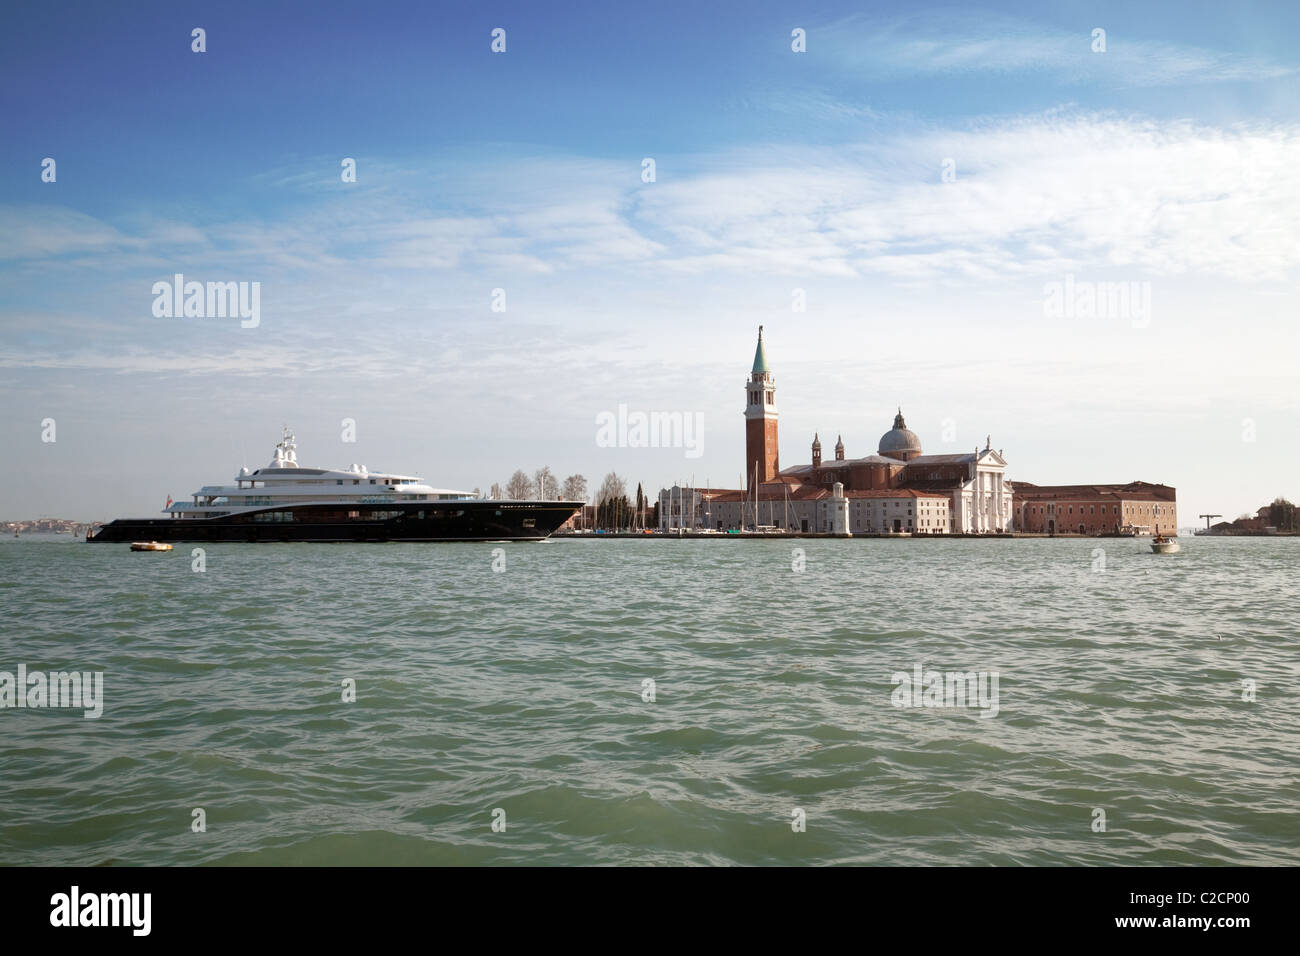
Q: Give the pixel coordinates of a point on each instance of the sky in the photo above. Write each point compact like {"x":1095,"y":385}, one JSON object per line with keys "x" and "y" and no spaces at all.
{"x":918,"y":206}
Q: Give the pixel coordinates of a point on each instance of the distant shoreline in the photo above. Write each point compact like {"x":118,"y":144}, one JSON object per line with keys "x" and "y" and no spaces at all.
{"x":47,"y":526}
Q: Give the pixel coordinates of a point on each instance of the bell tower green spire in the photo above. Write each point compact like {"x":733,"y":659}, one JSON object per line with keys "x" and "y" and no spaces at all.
{"x":760,"y":356}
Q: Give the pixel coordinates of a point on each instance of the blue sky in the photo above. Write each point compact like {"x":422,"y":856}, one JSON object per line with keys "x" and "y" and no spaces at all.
{"x":1169,"y":159}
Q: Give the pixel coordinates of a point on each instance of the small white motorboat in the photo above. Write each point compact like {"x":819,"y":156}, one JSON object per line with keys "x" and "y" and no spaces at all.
{"x":1162,"y":545}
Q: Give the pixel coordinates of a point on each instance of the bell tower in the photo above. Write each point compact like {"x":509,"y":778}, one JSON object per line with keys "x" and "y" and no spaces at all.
{"x":760,"y":420}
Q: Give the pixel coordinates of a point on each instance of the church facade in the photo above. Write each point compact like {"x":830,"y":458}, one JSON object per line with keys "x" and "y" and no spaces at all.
{"x":974,"y":485}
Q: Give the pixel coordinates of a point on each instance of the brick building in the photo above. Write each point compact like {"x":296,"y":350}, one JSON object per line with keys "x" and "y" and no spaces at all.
{"x":1135,"y":508}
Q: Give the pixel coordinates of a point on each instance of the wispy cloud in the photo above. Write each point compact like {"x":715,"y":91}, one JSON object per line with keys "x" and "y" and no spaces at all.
{"x":1031,"y":195}
{"x":969,"y":41}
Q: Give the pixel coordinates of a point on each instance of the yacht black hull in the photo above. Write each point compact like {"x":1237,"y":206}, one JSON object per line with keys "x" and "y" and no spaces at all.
{"x":468,"y":520}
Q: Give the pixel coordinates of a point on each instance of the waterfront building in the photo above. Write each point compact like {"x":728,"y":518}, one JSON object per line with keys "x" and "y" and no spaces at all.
{"x":689,"y":509}
{"x":1134,"y":508}
{"x":808,"y":508}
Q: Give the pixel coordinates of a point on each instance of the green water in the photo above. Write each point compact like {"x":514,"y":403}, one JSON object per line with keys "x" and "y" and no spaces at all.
{"x":522,"y":691}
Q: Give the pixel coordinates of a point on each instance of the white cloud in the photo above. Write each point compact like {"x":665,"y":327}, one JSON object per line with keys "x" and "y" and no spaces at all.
{"x":1031,"y":196}
{"x":1035,"y":197}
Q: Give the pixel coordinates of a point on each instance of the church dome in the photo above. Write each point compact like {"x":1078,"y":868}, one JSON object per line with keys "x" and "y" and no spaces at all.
{"x":900,"y":441}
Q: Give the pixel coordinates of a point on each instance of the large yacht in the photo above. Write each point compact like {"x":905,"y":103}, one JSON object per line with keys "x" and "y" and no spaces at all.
{"x":283,"y":501}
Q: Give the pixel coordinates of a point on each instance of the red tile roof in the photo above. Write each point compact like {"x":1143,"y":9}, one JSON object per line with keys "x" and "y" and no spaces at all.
{"x":896,"y":493}
{"x":1133,"y":491}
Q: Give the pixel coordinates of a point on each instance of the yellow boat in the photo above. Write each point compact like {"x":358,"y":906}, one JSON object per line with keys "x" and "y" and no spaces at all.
{"x":149,"y":546}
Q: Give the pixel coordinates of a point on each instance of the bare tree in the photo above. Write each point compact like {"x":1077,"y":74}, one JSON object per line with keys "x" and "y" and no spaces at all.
{"x":575,"y":488}
{"x":544,"y":483}
{"x":495,"y":492}
{"x":612,"y":506}
{"x":1282,"y":515}
{"x":611,"y":488}
{"x":519,"y":487}
{"x":477,"y":493}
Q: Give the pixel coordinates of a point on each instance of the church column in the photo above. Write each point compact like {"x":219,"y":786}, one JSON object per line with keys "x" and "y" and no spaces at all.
{"x":990,"y":523}
{"x":1011,"y":514}
{"x":997,"y":497}
{"x":984,"y":501}
{"x":1003,"y":518}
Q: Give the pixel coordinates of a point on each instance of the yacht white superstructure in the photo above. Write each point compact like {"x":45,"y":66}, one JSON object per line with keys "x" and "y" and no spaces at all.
{"x":284,"y":482}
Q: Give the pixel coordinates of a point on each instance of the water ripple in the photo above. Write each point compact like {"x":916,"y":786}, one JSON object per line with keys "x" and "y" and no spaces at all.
{"x":517,"y":697}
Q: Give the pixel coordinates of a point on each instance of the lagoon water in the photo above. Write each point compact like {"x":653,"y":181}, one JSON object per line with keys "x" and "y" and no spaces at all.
{"x":522,"y":691}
